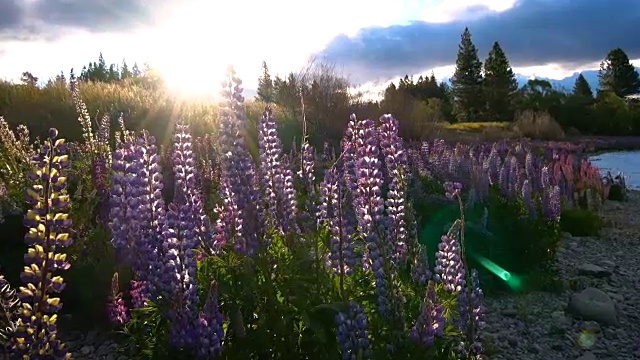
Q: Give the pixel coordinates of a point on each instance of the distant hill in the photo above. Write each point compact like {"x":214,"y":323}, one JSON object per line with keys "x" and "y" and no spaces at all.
{"x":567,"y":83}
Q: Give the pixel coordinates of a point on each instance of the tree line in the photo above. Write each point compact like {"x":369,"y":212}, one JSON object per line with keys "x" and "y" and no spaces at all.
{"x":324,"y":98}
{"x":483,"y":92}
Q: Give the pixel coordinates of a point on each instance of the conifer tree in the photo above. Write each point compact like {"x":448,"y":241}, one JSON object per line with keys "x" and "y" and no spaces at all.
{"x":265,"y":91}
{"x":125,"y":73}
{"x":499,"y":85}
{"x":467,"y":81}
{"x":618,"y":75}
{"x":135,"y":71}
{"x":582,"y":87}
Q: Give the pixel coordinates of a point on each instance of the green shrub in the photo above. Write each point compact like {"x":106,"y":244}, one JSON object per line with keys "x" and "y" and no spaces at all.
{"x":617,"y":192}
{"x":580,"y":222}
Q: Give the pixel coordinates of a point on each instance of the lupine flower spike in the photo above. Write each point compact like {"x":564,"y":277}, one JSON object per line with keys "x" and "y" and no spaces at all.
{"x":36,"y":334}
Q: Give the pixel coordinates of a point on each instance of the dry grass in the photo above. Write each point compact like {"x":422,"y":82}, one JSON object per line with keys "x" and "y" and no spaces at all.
{"x":479,"y":126}
{"x":52,"y":106}
{"x":537,"y":125}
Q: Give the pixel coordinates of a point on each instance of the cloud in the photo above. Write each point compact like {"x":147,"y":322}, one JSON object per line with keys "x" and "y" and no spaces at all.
{"x":11,"y":14}
{"x":50,"y":19}
{"x":532,"y":32}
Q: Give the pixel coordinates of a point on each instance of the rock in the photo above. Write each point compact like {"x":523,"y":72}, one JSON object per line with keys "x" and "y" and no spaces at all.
{"x":593,"y":304}
{"x":592,"y":327}
{"x":86,"y":350}
{"x":534,"y":349}
{"x":608,"y":263}
{"x":587,"y":356}
{"x":593,"y":270}
{"x":559,"y":322}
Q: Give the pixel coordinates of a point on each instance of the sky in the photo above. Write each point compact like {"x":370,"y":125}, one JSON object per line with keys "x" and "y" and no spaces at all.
{"x":372,"y":42}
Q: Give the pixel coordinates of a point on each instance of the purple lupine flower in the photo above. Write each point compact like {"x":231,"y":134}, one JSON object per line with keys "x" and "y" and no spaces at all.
{"x":551,"y":203}
{"x":353,"y":336}
{"x":117,"y":311}
{"x":371,"y":223}
{"x":545,"y":177}
{"x":122,"y":174}
{"x":396,"y":162}
{"x":431,"y":320}
{"x":272,"y":169}
{"x":237,"y":169}
{"x":471,"y":315}
{"x":452,"y":189}
{"x":35,"y":335}
{"x":492,"y":165}
{"x":513,"y":177}
{"x":341,"y":259}
{"x":449,"y":268}
{"x":370,"y":207}
{"x":289,"y":202}
{"x":349,"y":151}
{"x":140,"y":291}
{"x":146,"y":219}
{"x":307,"y":175}
{"x":225,"y":223}
{"x":527,"y":198}
{"x":186,"y":232}
{"x":210,"y":327}
{"x":326,"y":153}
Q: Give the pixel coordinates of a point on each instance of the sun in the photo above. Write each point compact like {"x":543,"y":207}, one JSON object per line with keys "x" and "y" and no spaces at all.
{"x":193,"y":50}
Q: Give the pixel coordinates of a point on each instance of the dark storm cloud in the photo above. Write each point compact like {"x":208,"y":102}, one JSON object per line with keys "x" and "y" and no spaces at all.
{"x":24,"y":20}
{"x":11,"y":14}
{"x":533,"y":32}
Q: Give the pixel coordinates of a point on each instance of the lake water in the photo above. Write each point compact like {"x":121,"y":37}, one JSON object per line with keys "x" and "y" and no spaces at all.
{"x":627,"y":162}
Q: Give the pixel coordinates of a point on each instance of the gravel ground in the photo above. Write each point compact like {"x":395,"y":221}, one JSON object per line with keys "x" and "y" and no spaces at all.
{"x":595,"y":316}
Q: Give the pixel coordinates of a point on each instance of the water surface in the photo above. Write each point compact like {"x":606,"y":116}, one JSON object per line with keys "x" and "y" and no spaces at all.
{"x":627,"y":162}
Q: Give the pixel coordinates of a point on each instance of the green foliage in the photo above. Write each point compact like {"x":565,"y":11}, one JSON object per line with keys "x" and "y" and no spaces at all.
{"x":147,"y":335}
{"x":618,"y":75}
{"x":265,"y":91}
{"x":499,"y":85}
{"x":617,"y":192}
{"x":581,"y":222}
{"x":94,"y":263}
{"x":582,"y":88}
{"x":466,"y":82}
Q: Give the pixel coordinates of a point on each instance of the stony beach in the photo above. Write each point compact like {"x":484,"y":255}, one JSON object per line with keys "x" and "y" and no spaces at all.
{"x":596,"y":316}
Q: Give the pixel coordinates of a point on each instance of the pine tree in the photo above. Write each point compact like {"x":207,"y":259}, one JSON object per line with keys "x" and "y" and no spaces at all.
{"x":467,"y":80}
{"x":124,"y":71}
{"x":582,"y":88}
{"x":135,"y":71}
{"x":265,"y":90}
{"x":101,"y":69}
{"x":617,"y":74}
{"x":499,"y":85}
{"x":60,"y":78}
{"x":113,"y":74}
